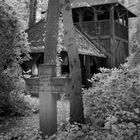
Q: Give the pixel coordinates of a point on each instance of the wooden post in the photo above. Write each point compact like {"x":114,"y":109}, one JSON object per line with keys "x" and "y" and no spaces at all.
{"x":32,"y":16}
{"x":80,"y":13}
{"x":127,"y":20}
{"x":47,"y":71}
{"x":87,"y":66}
{"x":127,"y":25}
{"x":112,"y":32}
{"x":95,"y":14}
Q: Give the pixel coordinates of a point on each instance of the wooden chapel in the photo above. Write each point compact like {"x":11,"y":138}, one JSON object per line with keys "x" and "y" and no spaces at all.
{"x":102,"y":35}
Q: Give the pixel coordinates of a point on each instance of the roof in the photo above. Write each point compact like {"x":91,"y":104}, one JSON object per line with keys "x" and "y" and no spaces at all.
{"x":36,"y":37}
{"x":90,"y":3}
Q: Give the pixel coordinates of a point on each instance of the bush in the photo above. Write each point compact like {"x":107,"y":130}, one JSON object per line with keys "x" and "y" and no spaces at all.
{"x":13,"y":103}
{"x":113,"y":102}
{"x":14,"y":50}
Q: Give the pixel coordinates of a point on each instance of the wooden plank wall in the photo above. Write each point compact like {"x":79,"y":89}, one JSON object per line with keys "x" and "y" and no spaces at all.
{"x":107,"y":46}
{"x":121,"y":31}
{"x":121,"y":52}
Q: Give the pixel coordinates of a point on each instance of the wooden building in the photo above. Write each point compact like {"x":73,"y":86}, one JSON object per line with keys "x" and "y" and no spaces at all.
{"x":101,"y":30}
{"x":107,"y":23}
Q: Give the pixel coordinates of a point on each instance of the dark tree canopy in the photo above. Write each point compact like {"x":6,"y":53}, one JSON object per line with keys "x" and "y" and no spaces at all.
{"x":13,"y":42}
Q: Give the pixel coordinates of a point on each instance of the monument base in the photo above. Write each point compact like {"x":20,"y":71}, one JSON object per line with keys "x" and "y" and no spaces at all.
{"x":48,"y":107}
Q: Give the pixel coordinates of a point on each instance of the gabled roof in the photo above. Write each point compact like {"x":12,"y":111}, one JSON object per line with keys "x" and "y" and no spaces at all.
{"x":90,"y":3}
{"x":36,"y":37}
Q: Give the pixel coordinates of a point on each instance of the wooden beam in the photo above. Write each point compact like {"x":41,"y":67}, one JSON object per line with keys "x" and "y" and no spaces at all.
{"x":87,"y":67}
{"x":121,"y":39}
{"x":95,"y":14}
{"x":101,"y":37}
{"x":112,"y":32}
{"x":32,"y":16}
{"x":80,"y":19}
{"x":112,"y":20}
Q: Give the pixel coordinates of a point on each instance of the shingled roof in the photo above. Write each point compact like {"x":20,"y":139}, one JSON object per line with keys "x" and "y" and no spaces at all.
{"x":36,"y":37}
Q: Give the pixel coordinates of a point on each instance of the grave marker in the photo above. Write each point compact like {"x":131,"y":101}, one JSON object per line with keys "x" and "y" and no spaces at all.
{"x":48,"y":108}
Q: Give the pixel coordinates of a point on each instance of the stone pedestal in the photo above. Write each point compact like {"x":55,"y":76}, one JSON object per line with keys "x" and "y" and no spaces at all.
{"x":49,"y":87}
{"x":48,"y":107}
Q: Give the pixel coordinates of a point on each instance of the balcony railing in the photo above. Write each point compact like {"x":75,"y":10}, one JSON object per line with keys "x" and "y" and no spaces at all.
{"x":99,"y":28}
{"x":103,"y":28}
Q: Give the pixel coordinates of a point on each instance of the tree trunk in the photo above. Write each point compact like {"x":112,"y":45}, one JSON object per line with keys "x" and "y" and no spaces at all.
{"x":32,"y":16}
{"x":76,"y":101}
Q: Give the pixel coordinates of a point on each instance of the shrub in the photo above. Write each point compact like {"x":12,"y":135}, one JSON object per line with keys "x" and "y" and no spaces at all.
{"x":13,"y":51}
{"x":13,"y":103}
{"x":113,"y":102}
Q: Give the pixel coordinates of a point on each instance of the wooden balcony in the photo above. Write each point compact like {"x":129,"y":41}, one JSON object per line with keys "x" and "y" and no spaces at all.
{"x":103,"y":28}
{"x":93,"y":29}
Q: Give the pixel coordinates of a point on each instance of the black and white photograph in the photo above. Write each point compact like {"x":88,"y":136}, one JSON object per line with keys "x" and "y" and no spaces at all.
{"x":69,"y":70}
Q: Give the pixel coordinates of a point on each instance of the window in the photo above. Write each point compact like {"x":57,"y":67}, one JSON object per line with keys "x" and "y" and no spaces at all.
{"x":75,"y":16}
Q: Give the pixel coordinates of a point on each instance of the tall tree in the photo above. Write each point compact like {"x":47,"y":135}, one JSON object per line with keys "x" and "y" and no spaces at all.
{"x":13,"y":41}
{"x":32,"y":16}
{"x":22,"y":11}
{"x":76,"y":101}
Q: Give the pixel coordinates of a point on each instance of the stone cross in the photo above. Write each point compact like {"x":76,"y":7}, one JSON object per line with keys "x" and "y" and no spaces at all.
{"x":49,"y":84}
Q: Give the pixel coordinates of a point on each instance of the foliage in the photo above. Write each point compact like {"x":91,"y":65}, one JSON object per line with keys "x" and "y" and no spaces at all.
{"x":113,"y":102}
{"x":13,"y":41}
{"x":59,"y":46}
{"x":32,"y":102}
{"x":43,"y":5}
{"x":27,"y":127}
{"x":134,"y":59}
{"x":22,"y":11}
{"x":13,"y":51}
{"x":112,"y":108}
{"x":13,"y":103}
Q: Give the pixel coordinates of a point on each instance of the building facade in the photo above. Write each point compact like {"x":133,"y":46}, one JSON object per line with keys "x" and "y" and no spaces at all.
{"x":102,"y":36}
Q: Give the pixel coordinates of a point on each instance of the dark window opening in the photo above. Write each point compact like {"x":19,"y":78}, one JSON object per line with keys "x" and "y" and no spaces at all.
{"x":88,"y":15}
{"x":40,"y":60}
{"x":75,"y":16}
{"x":103,"y":12}
{"x":65,"y":64}
{"x":120,"y":16}
{"x":103,"y":15}
{"x":116,"y":17}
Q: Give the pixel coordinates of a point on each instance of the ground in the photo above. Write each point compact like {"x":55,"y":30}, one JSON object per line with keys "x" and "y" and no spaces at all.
{"x":28,"y":126}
